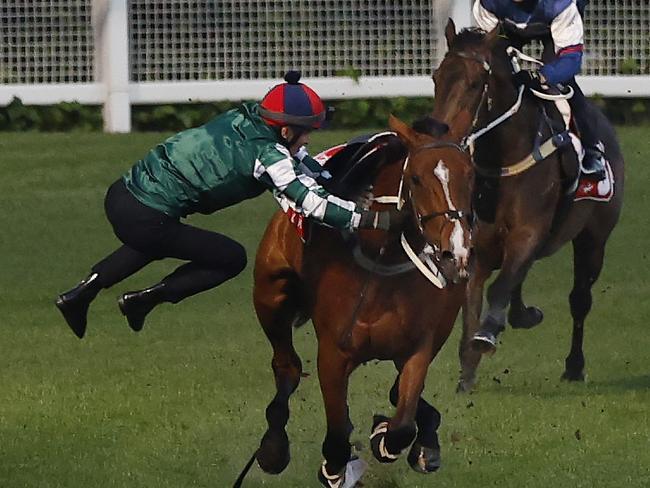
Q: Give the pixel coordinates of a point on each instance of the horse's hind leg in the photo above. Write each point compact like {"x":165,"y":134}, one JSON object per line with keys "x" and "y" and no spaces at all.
{"x":588,"y":254}
{"x":277,"y":308}
{"x":424,"y":456}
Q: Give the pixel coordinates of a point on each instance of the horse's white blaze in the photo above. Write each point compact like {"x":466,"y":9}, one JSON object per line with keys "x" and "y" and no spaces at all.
{"x":457,"y":237}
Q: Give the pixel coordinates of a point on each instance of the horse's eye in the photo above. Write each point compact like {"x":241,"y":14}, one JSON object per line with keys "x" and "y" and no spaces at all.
{"x":415,"y":179}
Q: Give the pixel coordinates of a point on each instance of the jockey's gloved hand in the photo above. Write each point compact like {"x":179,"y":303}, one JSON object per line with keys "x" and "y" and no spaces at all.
{"x":528,"y":78}
{"x":365,"y":199}
{"x":382,"y":219}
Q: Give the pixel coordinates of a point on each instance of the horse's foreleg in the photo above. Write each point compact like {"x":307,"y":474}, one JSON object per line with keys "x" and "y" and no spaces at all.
{"x":469,"y":357}
{"x":390,"y":436}
{"x":588,"y":257}
{"x":333,"y":373}
{"x":519,"y":255}
{"x":424,"y":456}
{"x":277,"y":311}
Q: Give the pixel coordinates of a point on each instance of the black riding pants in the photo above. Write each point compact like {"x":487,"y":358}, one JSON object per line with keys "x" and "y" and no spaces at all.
{"x":149,"y":235}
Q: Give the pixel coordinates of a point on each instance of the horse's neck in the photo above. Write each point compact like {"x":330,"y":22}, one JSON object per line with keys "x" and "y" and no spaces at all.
{"x":513,"y":139}
{"x":387,"y":184}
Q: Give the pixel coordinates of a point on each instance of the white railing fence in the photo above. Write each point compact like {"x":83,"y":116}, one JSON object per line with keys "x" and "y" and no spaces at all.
{"x":117,"y":52}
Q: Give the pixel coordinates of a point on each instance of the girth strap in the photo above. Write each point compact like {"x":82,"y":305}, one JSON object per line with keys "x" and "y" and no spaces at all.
{"x":381,"y":269}
{"x":541,"y":153}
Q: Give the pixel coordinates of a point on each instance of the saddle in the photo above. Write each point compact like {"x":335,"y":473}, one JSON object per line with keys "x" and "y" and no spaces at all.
{"x":353,"y":166}
{"x":349,"y":169}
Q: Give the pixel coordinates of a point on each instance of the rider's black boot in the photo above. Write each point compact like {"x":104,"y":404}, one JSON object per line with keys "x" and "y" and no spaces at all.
{"x":593,"y":164}
{"x":74,"y":304}
{"x":135,"y":305}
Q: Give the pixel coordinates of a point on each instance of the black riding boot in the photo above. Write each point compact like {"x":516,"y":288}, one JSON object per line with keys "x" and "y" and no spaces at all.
{"x":74,"y":304}
{"x":593,"y":164}
{"x":135,"y":305}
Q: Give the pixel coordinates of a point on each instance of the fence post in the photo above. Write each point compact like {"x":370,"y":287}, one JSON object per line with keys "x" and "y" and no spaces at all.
{"x":110,"y":23}
{"x":462,"y":13}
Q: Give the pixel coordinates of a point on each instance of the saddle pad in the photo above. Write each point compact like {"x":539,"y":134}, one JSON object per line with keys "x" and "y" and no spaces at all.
{"x":327,"y":154}
{"x":601,"y":191}
{"x":299,"y":223}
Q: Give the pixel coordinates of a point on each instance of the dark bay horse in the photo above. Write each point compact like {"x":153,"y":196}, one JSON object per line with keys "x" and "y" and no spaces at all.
{"x":531,"y":217}
{"x":361,"y":315}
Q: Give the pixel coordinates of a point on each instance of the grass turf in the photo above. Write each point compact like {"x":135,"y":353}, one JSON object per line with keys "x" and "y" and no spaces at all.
{"x":182,"y":403}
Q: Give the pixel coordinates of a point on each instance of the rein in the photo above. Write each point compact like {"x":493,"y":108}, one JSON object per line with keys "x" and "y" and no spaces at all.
{"x":425,"y":261}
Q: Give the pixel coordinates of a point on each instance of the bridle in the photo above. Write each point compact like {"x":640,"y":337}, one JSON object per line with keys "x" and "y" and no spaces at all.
{"x":450,"y":214}
{"x":468,"y":142}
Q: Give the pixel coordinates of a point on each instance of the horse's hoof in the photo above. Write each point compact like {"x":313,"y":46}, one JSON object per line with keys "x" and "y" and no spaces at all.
{"x":378,"y":440}
{"x":465,"y":386}
{"x":273,"y":454}
{"x":573,"y":376}
{"x":484,"y":342}
{"x":526,"y":318}
{"x":347,"y":477}
{"x":424,"y":460}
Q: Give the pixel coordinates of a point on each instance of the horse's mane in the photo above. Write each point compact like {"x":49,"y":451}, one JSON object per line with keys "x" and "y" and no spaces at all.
{"x":429,"y":125}
{"x":469,"y":36}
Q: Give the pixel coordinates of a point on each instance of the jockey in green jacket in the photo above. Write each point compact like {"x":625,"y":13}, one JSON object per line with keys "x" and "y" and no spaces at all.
{"x":236,"y":156}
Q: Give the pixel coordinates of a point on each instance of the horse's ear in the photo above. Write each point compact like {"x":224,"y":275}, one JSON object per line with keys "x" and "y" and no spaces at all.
{"x":405,"y":133}
{"x":450,"y":32}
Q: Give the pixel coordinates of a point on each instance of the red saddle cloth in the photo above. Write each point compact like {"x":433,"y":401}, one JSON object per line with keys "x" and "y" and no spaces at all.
{"x":600,"y":191}
{"x":299,"y":223}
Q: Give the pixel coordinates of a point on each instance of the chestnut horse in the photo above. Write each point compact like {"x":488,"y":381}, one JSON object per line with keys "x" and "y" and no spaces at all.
{"x":360,"y":313}
{"x":532,"y":216}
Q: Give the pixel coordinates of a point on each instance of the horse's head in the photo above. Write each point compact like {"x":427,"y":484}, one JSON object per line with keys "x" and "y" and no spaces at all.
{"x":438,"y":179}
{"x":461,"y":80}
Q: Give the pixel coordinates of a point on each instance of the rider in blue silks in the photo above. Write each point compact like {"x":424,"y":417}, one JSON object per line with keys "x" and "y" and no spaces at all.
{"x":561,"y":21}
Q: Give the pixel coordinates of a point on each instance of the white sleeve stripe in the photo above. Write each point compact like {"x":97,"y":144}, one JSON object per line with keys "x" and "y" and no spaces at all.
{"x":356,"y":220}
{"x":314,"y":206}
{"x":339,"y":202}
{"x":283,"y":150}
{"x":282,"y":173}
{"x":485,"y":19}
{"x":310,"y":183}
{"x":259,"y":169}
{"x":567,"y":28}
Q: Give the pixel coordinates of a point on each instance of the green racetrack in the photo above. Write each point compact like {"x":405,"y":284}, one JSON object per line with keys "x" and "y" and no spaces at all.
{"x":182,"y":403}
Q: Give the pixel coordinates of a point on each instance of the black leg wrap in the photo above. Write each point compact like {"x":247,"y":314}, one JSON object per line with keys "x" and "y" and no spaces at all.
{"x":379,"y":439}
{"x":336,"y":451}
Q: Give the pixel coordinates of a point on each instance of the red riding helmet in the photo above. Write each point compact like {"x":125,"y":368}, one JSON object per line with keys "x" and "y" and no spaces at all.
{"x":293,"y":104}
